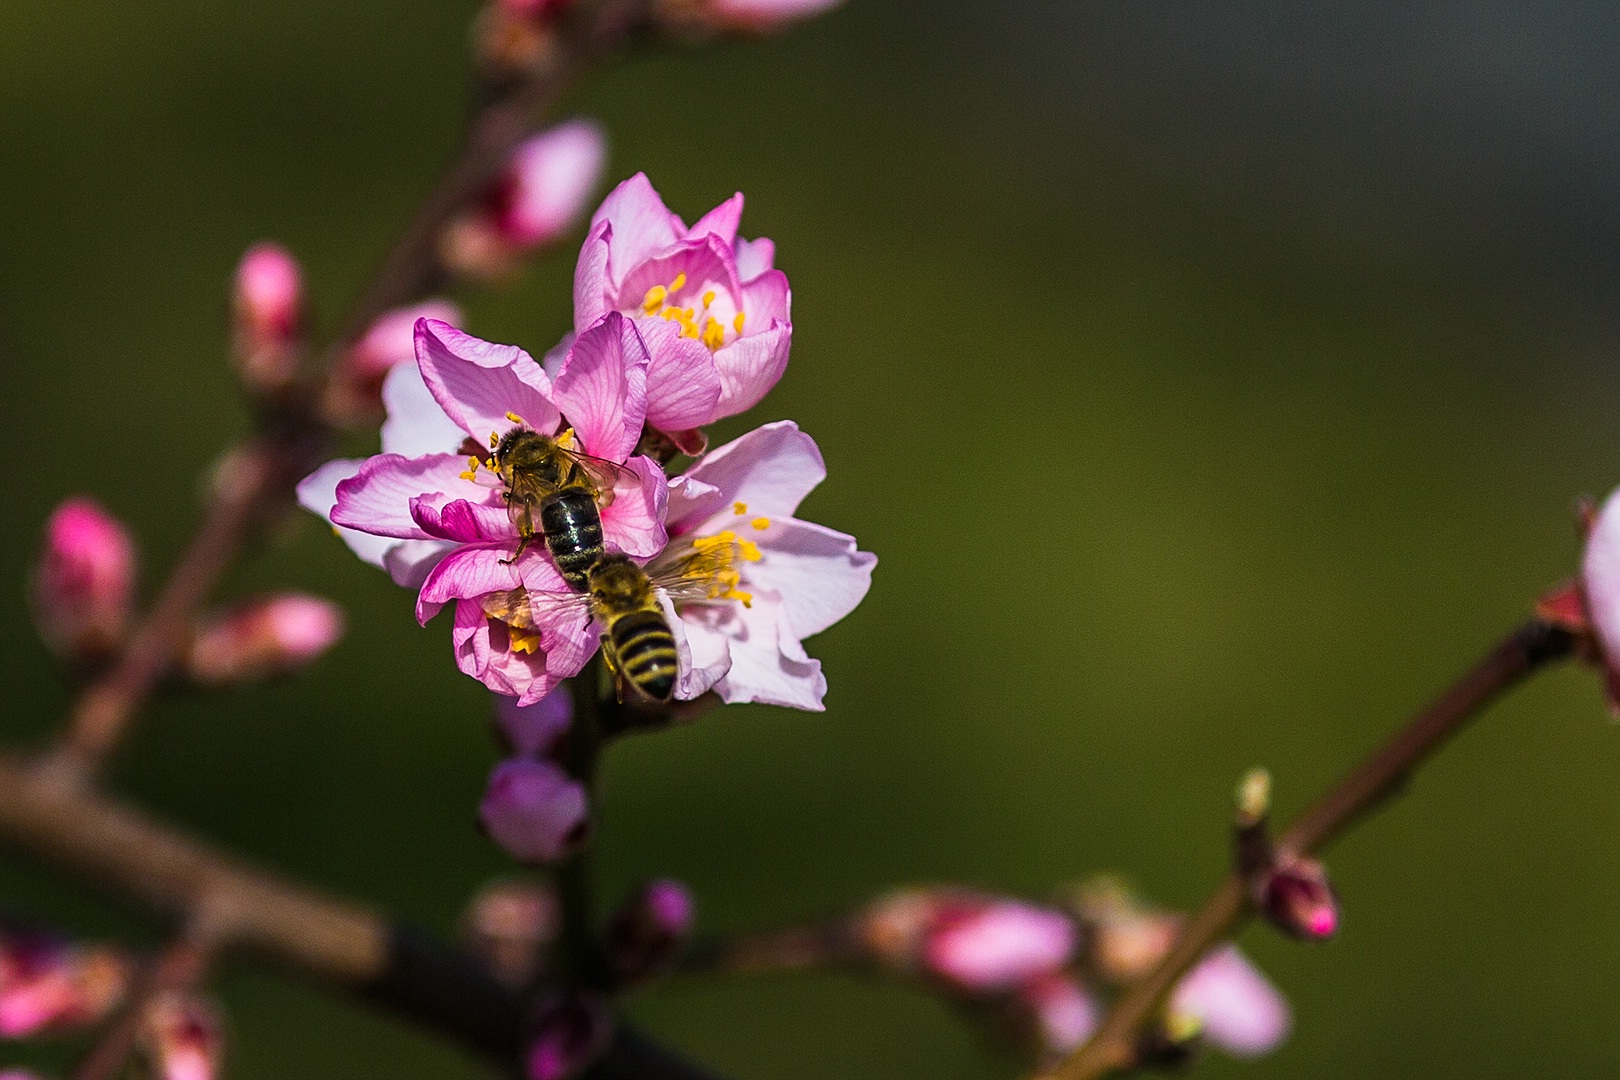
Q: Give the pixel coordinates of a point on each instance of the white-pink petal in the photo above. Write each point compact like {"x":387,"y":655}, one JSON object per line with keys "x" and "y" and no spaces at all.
{"x":819,"y":573}
{"x":477,"y":383}
{"x":771,"y":469}
{"x":415,"y":424}
{"x":1600,"y":578}
{"x":377,"y":498}
{"x":761,"y":671}
{"x":1241,"y":1011}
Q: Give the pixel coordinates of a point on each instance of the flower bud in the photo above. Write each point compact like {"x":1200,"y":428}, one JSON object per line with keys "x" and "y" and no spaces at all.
{"x":701,"y":18}
{"x":571,"y":1031}
{"x":534,"y":810}
{"x":268,"y":317}
{"x":648,"y":931}
{"x":541,"y":194}
{"x":356,"y":385}
{"x":1240,"y":1011}
{"x":506,"y":925}
{"x":515,"y":36}
{"x":1294,"y":895}
{"x":183,"y":1038}
{"x":533,"y":730}
{"x":49,"y":986}
{"x":1125,"y":937}
{"x":985,"y":945}
{"x":267,"y":636}
{"x":84,"y":583}
{"x":1060,"y":1011}
{"x":1600,"y":589}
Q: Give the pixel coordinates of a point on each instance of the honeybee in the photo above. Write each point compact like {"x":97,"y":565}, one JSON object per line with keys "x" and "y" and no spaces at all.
{"x":556,"y":493}
{"x":636,"y":640}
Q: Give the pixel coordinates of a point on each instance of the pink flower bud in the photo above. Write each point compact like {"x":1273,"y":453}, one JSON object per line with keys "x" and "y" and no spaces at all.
{"x":267,"y":636}
{"x":544,"y":190}
{"x":743,"y":16}
{"x":535,"y":9}
{"x":507,"y":924}
{"x":571,"y":1033}
{"x":1600,"y":587}
{"x":1241,"y":1012}
{"x":533,"y":730}
{"x":392,"y":340}
{"x":49,"y":986}
{"x":268,"y":302}
{"x":648,"y":931}
{"x":534,"y":810}
{"x":84,"y":583}
{"x":1294,"y":895}
{"x":183,"y":1038}
{"x":987,"y":945}
{"x":1063,"y":1013}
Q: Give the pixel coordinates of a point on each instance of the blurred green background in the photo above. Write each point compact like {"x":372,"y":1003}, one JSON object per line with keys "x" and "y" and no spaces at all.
{"x":1277,"y":343}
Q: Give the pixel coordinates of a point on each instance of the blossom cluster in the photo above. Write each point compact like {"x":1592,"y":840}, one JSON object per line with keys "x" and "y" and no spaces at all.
{"x":675,"y":327}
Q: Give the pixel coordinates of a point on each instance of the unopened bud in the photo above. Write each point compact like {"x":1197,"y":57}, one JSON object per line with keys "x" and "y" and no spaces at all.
{"x":1125,"y":936}
{"x":1294,"y":895}
{"x":356,"y":385}
{"x":704,"y":18}
{"x":506,"y":925}
{"x":533,"y":730}
{"x":47,"y":985}
{"x":1171,"y":1043}
{"x":1253,"y":798}
{"x":571,"y":1031}
{"x":1240,"y":1011}
{"x":1600,"y":590}
{"x":267,"y":636}
{"x":543,"y":191}
{"x":84,"y":584}
{"x":1060,"y":1012}
{"x":515,"y":36}
{"x":268,"y":317}
{"x":535,"y":810}
{"x":183,"y":1038}
{"x":648,"y":931}
{"x":986,"y":945}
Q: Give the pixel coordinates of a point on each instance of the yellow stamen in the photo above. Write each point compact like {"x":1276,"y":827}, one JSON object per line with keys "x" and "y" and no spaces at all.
{"x":739,"y":508}
{"x":749,"y":551}
{"x":515,"y":418}
{"x":737,"y":323}
{"x":654,"y":299}
{"x":761,"y":523}
{"x":566,"y":439}
{"x":714,"y":335}
{"x":523,"y":641}
{"x":678,"y":284}
{"x":708,"y":298}
{"x":494,"y":439}
{"x":472,"y":469}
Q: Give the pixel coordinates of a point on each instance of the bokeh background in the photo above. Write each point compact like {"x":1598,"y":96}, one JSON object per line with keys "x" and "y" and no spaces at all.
{"x":1273,"y":344}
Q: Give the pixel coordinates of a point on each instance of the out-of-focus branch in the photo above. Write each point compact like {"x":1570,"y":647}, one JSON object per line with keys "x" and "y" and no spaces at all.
{"x":340,"y":944}
{"x":294,"y":436}
{"x":1381,"y":774}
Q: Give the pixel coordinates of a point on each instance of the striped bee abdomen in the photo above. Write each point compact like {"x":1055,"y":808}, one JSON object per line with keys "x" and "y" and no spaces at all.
{"x":572,"y":525}
{"x":644,"y":652}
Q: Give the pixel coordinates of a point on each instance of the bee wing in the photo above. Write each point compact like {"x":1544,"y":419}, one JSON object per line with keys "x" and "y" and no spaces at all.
{"x":525,"y":610}
{"x":604,"y":474}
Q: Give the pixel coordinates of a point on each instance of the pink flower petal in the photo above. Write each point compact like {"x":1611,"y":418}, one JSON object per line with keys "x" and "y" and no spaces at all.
{"x":770,"y":469}
{"x":759,"y":669}
{"x":409,"y":562}
{"x":722,"y":221}
{"x":642,"y":224}
{"x":683,"y":381}
{"x":533,"y":729}
{"x":553,"y":175}
{"x":1243,"y":1014}
{"x":818,"y":573}
{"x":999,"y":945}
{"x":703,"y":645}
{"x":602,"y":387}
{"x":415,"y":425}
{"x":469,"y":572}
{"x":377,"y":499}
{"x":463,"y":521}
{"x":592,"y":288}
{"x":634,"y":522}
{"x":534,"y":810}
{"x":477,"y":383}
{"x":750,"y":366}
{"x":754,"y":257}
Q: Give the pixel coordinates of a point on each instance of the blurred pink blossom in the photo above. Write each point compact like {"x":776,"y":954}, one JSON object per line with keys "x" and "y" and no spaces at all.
{"x":84,"y":583}
{"x":534,"y":810}
{"x":997,"y":944}
{"x":264,"y":636}
{"x":183,"y":1038}
{"x":1241,"y":1012}
{"x":268,"y":307}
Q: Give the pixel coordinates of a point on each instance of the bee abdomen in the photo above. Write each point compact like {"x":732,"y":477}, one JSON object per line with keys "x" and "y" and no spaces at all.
{"x":573,"y":529}
{"x":645,"y":652}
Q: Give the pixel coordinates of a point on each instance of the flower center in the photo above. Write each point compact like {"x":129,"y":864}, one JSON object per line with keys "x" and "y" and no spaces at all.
{"x":712,"y":567}
{"x":706,"y":323}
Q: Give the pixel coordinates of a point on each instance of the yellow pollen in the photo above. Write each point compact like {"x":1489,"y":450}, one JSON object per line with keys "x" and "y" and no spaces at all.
{"x":523,"y":641}
{"x":494,"y":439}
{"x":515,"y":418}
{"x":566,"y":439}
{"x":714,"y":335}
{"x":749,"y":551}
{"x":678,"y":284}
{"x":737,"y":323}
{"x":708,"y":298}
{"x":669,"y":313}
{"x":654,"y":299}
{"x":472,"y":469}
{"x":739,"y":508}
{"x":761,"y":523}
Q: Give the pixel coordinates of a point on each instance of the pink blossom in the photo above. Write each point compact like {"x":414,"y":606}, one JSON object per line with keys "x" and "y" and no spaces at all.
{"x":572,"y":1030}
{"x":261,"y":637}
{"x":268,"y":304}
{"x":1241,"y":1012}
{"x":1600,"y":589}
{"x":532,"y":730}
{"x":709,"y":305}
{"x":540,"y":195}
{"x":769,"y":580}
{"x":648,"y":930}
{"x":391,"y":341}
{"x":749,"y":16}
{"x":84,"y":584}
{"x":1065,"y":1014}
{"x":47,"y":985}
{"x":534,"y":810}
{"x":183,"y":1038}
{"x":994,"y":945}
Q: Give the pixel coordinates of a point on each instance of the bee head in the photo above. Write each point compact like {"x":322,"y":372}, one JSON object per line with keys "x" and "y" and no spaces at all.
{"x":618,"y":583}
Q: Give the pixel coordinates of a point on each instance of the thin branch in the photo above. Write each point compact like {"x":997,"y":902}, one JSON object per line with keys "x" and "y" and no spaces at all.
{"x":1382,"y":773}
{"x":340,"y":944}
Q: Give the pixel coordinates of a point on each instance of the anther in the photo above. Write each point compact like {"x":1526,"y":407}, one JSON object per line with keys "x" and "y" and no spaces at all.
{"x":654,"y":299}
{"x":761,"y":523}
{"x":737,"y":323}
{"x":678,"y":284}
{"x":708,"y":298}
{"x":515,"y":418}
{"x":739,"y":508}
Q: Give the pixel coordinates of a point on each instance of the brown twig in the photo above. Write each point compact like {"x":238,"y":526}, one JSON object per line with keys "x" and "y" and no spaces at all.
{"x":1522,"y":653}
{"x":337,"y":943}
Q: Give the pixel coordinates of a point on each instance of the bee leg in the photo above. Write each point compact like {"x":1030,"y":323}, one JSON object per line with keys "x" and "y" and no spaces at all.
{"x":611,"y":660}
{"x":523,"y":545}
